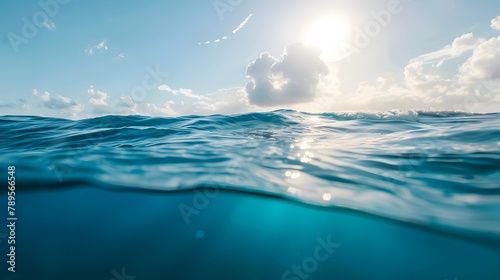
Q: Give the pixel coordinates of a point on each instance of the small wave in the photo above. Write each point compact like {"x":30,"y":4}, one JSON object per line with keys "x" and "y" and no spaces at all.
{"x":437,"y":168}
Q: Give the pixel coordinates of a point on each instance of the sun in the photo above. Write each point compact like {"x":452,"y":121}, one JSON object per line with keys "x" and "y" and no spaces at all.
{"x":328,"y":33}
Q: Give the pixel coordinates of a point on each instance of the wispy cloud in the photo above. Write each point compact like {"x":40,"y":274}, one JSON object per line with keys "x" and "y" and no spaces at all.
{"x":102,"y":46}
{"x":465,"y":43}
{"x":242,"y":24}
{"x":181,"y":91}
{"x":49,"y":25}
{"x":237,"y":29}
{"x":98,"y":98}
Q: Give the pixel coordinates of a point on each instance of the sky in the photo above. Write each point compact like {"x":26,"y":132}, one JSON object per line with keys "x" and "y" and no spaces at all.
{"x":81,"y":59}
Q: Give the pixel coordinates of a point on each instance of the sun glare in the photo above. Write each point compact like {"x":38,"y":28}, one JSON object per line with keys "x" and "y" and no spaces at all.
{"x":328,"y":33}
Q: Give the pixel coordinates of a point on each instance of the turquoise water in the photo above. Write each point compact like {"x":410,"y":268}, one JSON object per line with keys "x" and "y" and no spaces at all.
{"x":401,"y":194}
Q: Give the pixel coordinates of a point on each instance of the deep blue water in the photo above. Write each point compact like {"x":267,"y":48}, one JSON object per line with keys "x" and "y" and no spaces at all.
{"x":405,"y":194}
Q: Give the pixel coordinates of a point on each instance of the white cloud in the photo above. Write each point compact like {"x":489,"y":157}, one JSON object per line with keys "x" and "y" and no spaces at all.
{"x":235,"y":30}
{"x":242,"y":24}
{"x":166,"y":88}
{"x":473,"y":85}
{"x":49,"y":24}
{"x":292,"y":80}
{"x":101,"y":46}
{"x":301,"y":80}
{"x":224,"y":101}
{"x":428,"y":86}
{"x":59,"y":103}
{"x":149,"y":109}
{"x":181,"y":91}
{"x":484,"y":62}
{"x":458,"y":47}
{"x":470,"y":86}
{"x":98,"y":98}
{"x":124,"y":106}
{"x":421,"y":77}
{"x":495,"y":23}
{"x":98,"y":101}
{"x":89,"y":50}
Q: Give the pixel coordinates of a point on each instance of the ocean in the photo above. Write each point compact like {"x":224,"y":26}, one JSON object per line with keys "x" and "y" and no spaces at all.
{"x":269,"y":195}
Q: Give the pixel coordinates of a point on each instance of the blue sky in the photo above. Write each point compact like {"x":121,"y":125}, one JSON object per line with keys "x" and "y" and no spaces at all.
{"x":88,"y":58}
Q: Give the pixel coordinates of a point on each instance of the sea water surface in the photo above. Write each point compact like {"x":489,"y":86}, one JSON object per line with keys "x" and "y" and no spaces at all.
{"x":438,"y":169}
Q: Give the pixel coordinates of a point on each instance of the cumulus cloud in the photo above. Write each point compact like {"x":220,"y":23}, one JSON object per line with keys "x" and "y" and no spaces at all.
{"x":301,"y":80}
{"x":98,"y":98}
{"x":421,"y":76}
{"x":473,"y":85}
{"x":102,"y":104}
{"x":292,"y":80}
{"x":98,"y":101}
{"x":383,"y":94}
{"x":484,"y":62}
{"x":223,"y":101}
{"x":124,"y":105}
{"x":149,"y":109}
{"x":58,"y":102}
{"x":186,"y":102}
{"x":495,"y":23}
{"x":463,"y":75}
{"x":469,"y":87}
